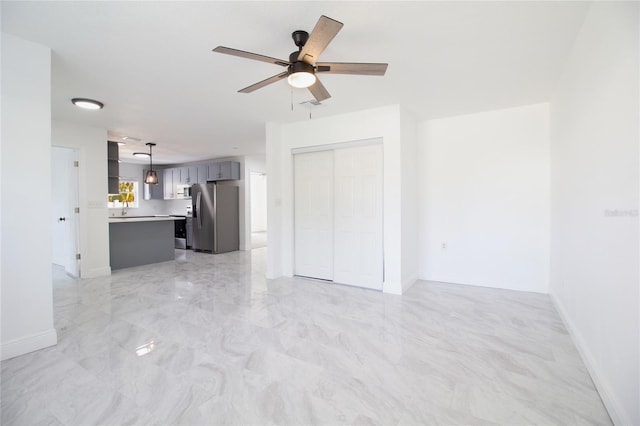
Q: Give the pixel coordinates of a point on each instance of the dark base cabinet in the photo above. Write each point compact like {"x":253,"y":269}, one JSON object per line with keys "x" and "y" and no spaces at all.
{"x":113,"y":168}
{"x":140,"y":243}
{"x":189,"y":232}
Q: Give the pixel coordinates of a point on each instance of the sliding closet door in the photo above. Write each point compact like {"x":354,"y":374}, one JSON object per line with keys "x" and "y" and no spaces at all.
{"x":358,"y":216}
{"x":313,"y":221}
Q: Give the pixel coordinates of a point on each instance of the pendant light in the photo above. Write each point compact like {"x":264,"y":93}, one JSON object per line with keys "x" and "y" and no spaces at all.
{"x":151,"y":177}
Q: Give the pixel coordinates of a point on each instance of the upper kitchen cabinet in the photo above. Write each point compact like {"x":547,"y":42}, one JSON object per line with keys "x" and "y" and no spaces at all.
{"x":188,"y":175}
{"x":113,"y":168}
{"x":203,"y":173}
{"x":177,"y":180}
{"x":224,"y":170}
{"x":170,"y":178}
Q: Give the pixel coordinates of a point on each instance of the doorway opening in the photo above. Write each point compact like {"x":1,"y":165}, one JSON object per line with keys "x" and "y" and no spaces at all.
{"x":258,"y":189}
{"x":65,"y":242}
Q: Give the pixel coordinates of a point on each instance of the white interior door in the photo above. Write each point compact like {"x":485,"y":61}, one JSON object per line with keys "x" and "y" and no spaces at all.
{"x":64,"y":191}
{"x":313,"y":214}
{"x":358,"y":223}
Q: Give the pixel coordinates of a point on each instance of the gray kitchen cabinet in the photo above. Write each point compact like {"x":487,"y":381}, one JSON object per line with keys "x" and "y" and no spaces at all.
{"x":170,"y":180}
{"x":188,"y":175}
{"x":193,"y":175}
{"x":203,"y":173}
{"x":214,"y":171}
{"x":224,"y":170}
{"x":113,"y":168}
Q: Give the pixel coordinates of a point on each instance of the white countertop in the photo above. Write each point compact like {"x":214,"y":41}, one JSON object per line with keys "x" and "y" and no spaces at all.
{"x":127,"y":219}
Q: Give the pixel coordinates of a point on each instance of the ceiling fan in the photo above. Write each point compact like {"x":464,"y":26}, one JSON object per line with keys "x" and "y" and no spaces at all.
{"x":302,"y":65}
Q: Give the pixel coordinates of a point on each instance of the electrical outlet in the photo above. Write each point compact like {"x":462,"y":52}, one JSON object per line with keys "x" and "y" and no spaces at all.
{"x":444,"y":245}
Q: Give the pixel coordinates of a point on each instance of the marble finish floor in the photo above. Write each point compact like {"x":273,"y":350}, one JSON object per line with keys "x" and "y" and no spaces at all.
{"x":258,"y":239}
{"x":207,"y":340}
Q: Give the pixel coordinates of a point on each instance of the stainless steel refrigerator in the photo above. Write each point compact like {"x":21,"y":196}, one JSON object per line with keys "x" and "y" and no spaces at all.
{"x":215,"y":218}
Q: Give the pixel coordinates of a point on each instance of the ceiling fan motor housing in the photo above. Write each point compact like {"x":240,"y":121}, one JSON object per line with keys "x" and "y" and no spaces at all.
{"x":300,"y":38}
{"x":299,"y":66}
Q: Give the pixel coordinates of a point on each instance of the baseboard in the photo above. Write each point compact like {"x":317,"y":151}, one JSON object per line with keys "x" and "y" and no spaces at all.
{"x":408,"y":283}
{"x":96,"y":272}
{"x":28,"y":344}
{"x":616,"y":410}
{"x":422,"y":277}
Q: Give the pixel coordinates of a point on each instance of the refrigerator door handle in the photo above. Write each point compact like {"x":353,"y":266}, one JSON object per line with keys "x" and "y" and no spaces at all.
{"x":215,"y":219}
{"x":198,"y":200}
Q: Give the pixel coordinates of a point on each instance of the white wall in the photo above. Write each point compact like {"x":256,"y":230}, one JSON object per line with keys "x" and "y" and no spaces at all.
{"x":485,"y":194}
{"x":409,"y":171}
{"x":26,"y":282}
{"x":382,"y":123}
{"x":91,"y":143}
{"x":594,"y":164}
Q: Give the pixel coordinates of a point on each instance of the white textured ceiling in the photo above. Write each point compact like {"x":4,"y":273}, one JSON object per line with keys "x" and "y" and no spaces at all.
{"x":152,"y":66}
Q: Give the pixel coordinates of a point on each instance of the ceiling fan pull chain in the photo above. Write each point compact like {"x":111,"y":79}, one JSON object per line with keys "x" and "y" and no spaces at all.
{"x":292,"y":100}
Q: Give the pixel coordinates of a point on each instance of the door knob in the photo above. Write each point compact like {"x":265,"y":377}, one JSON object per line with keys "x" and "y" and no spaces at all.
{"x":62,"y":219}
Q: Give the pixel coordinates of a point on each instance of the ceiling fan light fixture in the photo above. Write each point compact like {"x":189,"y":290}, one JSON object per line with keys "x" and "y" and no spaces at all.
{"x":303,"y":63}
{"x":141,"y":154}
{"x":301,"y":80}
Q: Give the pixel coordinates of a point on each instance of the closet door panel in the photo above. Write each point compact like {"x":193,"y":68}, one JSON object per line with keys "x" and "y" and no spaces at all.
{"x":358,"y":211}
{"x":313,"y":215}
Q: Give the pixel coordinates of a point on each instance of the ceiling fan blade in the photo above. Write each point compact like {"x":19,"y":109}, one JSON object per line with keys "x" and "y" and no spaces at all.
{"x":263,"y":83}
{"x":318,"y":91}
{"x":249,"y":55}
{"x":351,"y":68}
{"x":322,"y":34}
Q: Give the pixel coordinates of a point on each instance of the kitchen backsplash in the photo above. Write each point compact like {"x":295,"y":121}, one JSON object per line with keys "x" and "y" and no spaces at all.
{"x":148,"y":207}
{"x":151,"y":207}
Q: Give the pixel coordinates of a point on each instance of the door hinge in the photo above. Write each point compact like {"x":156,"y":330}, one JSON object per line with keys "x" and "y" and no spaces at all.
{"x":76,"y":163}
{"x":77,"y":256}
{"x":77,"y":210}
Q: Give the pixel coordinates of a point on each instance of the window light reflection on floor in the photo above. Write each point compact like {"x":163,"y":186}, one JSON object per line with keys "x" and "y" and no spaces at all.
{"x":146,"y":348}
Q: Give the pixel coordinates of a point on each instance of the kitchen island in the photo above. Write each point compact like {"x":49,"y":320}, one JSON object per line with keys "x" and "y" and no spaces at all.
{"x":140,"y":240}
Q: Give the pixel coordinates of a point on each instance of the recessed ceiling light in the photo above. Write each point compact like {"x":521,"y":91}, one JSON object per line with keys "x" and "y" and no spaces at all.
{"x":87,"y":103}
{"x":140,"y":154}
{"x":131,"y":138}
